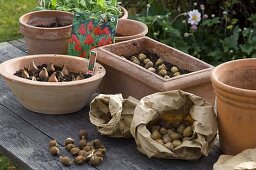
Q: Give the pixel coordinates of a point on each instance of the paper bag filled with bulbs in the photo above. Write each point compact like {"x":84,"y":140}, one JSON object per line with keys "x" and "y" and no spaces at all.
{"x":112,"y":115}
{"x":174,"y":125}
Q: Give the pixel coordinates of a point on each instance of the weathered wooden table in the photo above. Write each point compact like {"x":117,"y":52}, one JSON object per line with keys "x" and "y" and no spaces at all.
{"x":24,"y":135}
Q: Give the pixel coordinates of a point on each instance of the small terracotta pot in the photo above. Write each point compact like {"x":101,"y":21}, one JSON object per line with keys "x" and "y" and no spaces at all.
{"x":124,"y":13}
{"x":235,"y":87}
{"x":41,"y":40}
{"x":130,"y":29}
{"x":51,"y":97}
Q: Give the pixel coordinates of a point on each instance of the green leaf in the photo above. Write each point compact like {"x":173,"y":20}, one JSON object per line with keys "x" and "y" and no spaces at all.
{"x":247,"y":48}
{"x":39,"y":8}
{"x":83,"y":4}
{"x":217,"y":54}
{"x":231,"y":42}
{"x":54,"y":4}
{"x":211,"y":22}
{"x":174,"y":31}
{"x":253,"y":55}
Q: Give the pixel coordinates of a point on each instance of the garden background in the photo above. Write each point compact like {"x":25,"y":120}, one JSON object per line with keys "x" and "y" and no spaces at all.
{"x":224,"y":29}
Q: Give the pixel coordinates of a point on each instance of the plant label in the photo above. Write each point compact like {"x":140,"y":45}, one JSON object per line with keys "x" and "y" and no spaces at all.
{"x":90,"y":31}
{"x":92,"y":61}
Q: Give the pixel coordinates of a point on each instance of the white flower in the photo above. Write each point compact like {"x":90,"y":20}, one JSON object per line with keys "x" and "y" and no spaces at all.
{"x":186,"y":34}
{"x":202,"y":6}
{"x":194,"y":17}
{"x":225,"y":13}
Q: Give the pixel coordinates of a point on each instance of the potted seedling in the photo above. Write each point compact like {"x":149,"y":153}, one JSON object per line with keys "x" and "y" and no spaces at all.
{"x":82,"y":5}
{"x":48,"y":31}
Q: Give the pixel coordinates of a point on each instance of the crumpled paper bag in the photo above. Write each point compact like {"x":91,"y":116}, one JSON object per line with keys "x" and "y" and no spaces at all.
{"x":112,"y":115}
{"x":242,"y":161}
{"x":165,"y":104}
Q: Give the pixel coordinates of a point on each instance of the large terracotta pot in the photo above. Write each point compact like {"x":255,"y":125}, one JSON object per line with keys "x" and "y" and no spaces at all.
{"x":128,"y":29}
{"x":51,"y":97}
{"x":41,"y":40}
{"x":235,"y":86}
{"x":123,"y":76}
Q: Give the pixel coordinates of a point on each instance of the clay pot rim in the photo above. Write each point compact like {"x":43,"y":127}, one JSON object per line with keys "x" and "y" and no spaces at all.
{"x":100,"y":72}
{"x":44,"y":11}
{"x":142,"y":34}
{"x":231,"y":89}
{"x":125,"y":13}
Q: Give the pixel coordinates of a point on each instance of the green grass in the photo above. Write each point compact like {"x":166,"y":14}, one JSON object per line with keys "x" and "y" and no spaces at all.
{"x":4,"y":162}
{"x":10,"y":11}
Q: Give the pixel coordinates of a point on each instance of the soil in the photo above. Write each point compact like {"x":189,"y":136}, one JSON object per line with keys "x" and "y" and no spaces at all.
{"x":154,"y":58}
{"x":58,"y":69}
{"x":119,"y":35}
{"x":52,"y":25}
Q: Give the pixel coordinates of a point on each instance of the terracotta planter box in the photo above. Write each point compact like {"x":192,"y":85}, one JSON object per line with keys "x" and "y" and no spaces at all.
{"x":130,"y":79}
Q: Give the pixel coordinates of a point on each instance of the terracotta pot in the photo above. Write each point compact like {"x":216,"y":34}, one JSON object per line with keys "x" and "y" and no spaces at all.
{"x":124,"y":13}
{"x":41,"y":40}
{"x":123,"y":76}
{"x":51,"y":97}
{"x":130,"y":29}
{"x":235,"y":87}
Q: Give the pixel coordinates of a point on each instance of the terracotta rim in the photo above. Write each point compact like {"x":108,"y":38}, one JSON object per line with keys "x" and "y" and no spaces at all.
{"x":21,"y":19}
{"x":125,"y":13}
{"x":100,"y":72}
{"x":208,"y":66}
{"x":140,"y":24}
{"x":231,"y":89}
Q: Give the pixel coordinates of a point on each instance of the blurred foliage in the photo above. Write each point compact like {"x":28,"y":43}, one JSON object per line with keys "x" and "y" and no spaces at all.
{"x":10,"y":11}
{"x":226,"y":31}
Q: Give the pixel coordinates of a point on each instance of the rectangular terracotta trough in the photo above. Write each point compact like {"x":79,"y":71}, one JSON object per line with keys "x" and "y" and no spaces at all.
{"x":123,"y":76}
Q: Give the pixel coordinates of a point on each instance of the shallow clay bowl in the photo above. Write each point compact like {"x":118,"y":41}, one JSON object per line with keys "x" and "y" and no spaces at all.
{"x":52,"y":97}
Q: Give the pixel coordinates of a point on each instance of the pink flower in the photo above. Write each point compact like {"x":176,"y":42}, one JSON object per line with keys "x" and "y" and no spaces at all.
{"x":205,"y":16}
{"x":194,"y":17}
{"x":194,"y":27}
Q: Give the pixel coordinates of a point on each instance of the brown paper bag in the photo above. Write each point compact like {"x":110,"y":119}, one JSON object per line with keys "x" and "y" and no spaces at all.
{"x":165,"y":105}
{"x":112,"y":114}
{"x":242,"y":161}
